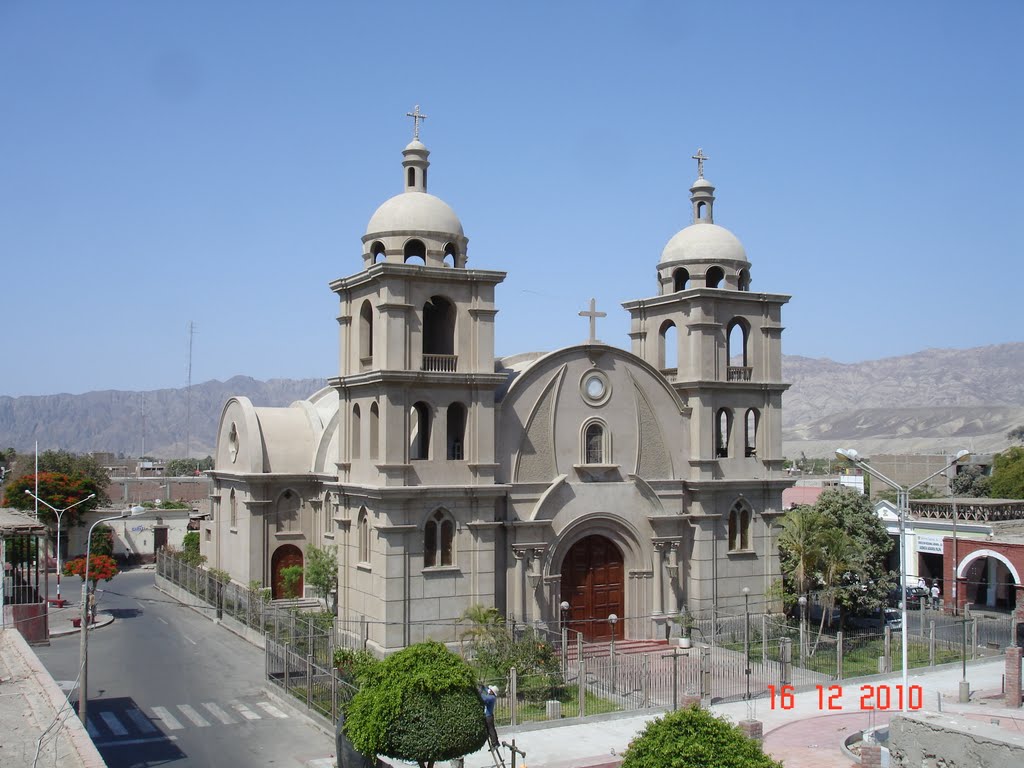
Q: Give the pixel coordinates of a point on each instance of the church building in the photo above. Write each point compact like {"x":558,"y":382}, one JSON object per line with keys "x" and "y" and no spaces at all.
{"x":574,"y":484}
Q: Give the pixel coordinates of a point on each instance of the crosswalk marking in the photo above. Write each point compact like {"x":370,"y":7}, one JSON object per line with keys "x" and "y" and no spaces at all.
{"x":141,"y":721}
{"x":114,"y":724}
{"x":192,"y":715}
{"x":245,"y":712}
{"x":168,"y":719}
{"x":90,"y":726}
{"x":270,"y":709}
{"x":219,"y":713}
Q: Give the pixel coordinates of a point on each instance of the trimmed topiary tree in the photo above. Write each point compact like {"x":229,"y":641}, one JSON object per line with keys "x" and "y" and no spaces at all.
{"x":419,"y":704}
{"x":694,"y":738}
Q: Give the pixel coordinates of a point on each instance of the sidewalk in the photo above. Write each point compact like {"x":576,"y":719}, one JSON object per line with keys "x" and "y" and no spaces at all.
{"x":804,"y":736}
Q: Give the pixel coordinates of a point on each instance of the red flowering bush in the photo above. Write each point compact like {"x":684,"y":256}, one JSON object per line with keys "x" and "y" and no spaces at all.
{"x":101,"y":567}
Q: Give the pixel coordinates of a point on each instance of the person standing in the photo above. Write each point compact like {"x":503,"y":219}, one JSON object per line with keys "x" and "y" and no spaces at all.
{"x":935,"y":595}
{"x":490,"y":698}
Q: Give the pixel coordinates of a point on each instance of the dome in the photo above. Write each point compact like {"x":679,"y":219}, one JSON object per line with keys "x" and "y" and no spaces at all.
{"x":704,"y":242}
{"x":415,"y":211}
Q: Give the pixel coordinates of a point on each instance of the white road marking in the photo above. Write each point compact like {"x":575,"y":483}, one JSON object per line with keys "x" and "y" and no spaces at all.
{"x":114,"y":724}
{"x":245,"y":712}
{"x":219,"y":713}
{"x":90,"y":726}
{"x":159,"y":618}
{"x":141,"y":721}
{"x":130,"y":742}
{"x":168,"y":719}
{"x":140,"y":605}
{"x":270,"y":709}
{"x":194,"y":716}
{"x":190,"y":639}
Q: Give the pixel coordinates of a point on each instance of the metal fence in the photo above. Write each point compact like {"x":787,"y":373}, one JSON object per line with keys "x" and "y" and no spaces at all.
{"x":734,"y":657}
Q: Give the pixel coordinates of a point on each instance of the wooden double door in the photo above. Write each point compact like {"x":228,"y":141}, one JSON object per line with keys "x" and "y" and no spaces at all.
{"x":593,"y":583}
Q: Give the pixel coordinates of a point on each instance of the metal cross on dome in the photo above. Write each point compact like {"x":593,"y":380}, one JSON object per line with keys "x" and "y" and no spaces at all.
{"x":700,"y":157}
{"x":416,"y":117}
{"x":593,"y":314}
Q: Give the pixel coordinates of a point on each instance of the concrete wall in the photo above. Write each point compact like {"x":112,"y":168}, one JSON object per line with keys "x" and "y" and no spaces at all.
{"x":951,"y":741}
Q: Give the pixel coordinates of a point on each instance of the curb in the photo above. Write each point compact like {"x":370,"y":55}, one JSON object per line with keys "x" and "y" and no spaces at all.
{"x":102,"y":620}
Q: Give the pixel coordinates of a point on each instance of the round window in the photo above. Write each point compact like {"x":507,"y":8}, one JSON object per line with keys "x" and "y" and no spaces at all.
{"x":595,"y":388}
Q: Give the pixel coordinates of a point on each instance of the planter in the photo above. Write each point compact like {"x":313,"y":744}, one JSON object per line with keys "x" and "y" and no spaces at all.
{"x":683,"y":642}
{"x":77,"y":623}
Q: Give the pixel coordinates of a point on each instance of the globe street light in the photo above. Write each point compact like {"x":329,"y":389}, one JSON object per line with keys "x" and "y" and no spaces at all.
{"x":59,"y":513}
{"x":903,"y":508}
{"x":83,"y":686}
{"x":746,"y":634}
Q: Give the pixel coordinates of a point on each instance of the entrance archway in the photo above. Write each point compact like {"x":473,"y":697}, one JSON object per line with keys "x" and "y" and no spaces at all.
{"x":593,"y":583}
{"x":285,"y":556}
{"x":990,"y":580}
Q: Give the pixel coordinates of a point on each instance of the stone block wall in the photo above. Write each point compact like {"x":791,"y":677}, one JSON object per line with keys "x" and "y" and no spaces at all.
{"x":934,"y":739}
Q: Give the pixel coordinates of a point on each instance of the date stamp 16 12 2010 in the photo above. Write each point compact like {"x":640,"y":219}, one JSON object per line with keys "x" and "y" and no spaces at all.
{"x":872,"y":697}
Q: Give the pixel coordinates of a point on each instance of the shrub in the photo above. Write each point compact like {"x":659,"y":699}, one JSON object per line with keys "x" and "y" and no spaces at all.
{"x":190,"y":549}
{"x":290,"y":578}
{"x":694,"y":738}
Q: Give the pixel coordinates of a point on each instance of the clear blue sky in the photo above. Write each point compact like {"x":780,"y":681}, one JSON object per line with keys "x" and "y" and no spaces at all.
{"x":217,"y":162}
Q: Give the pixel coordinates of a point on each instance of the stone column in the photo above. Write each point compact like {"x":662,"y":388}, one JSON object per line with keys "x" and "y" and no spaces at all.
{"x":871,"y":756}
{"x":753,"y":729}
{"x":658,"y":603}
{"x":1013,"y":670}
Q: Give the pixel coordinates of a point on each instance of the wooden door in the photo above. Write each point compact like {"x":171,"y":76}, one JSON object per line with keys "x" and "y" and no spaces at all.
{"x":593,"y":584}
{"x":159,"y":539}
{"x":285,"y":556}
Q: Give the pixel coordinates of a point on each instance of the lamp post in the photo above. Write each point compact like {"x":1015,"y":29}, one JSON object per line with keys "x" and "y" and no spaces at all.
{"x":83,"y":684}
{"x":803,"y":626}
{"x":613,"y":620}
{"x":564,"y":632}
{"x":903,"y":508}
{"x":746,"y":634}
{"x":59,"y":513}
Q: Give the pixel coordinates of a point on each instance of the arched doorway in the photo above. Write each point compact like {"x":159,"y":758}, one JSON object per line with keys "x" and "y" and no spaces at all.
{"x":593,"y":583}
{"x":285,"y":556}
{"x":990,"y":580}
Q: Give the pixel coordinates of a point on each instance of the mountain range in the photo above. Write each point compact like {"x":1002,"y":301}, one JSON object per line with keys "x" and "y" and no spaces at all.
{"x":938,"y":400}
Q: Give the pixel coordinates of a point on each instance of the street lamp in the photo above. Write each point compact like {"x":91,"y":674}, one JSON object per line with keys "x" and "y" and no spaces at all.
{"x":83,"y":685}
{"x":612,"y":620}
{"x":903,"y":508}
{"x":564,"y":632}
{"x":803,"y":627}
{"x":59,"y":513}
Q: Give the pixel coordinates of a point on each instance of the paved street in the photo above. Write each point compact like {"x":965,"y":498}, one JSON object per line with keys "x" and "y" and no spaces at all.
{"x":167,"y":686}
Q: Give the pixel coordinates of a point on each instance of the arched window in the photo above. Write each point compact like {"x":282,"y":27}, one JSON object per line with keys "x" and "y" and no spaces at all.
{"x":374,"y":431}
{"x":419,"y":432}
{"x":739,"y":527}
{"x":750,"y":422}
{"x":415,"y":249}
{"x":438,"y":540}
{"x":232,"y":510}
{"x":723,"y":426}
{"x":744,"y":280}
{"x":668,"y":346}
{"x":700,"y":211}
{"x":330,"y":507}
{"x":411,"y":178}
{"x":363,"y":535}
{"x":737,"y":333}
{"x":357,"y":427}
{"x":714,"y":277}
{"x":451,"y":255}
{"x":456,"y":431}
{"x":595,"y":447}
{"x":439,"y":335}
{"x":366,"y":334}
{"x":377,"y":252}
{"x":679,"y":279}
{"x":286,"y":515}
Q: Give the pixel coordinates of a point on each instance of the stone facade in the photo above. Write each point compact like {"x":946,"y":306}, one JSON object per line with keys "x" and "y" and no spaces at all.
{"x":564,"y":486}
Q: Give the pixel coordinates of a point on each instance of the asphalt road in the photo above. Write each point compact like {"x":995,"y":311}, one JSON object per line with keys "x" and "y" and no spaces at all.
{"x":169,"y":687}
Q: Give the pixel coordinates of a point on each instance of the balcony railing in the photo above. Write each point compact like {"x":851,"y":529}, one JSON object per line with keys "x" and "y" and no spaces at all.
{"x":738,"y":373}
{"x":440,"y":363}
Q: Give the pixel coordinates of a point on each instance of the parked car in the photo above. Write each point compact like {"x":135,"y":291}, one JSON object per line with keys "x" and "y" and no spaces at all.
{"x":892,"y":619}
{"x":917,"y":597}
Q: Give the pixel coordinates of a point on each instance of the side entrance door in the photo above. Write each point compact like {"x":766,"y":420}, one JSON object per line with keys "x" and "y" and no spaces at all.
{"x":593,"y":583}
{"x":284,"y":557}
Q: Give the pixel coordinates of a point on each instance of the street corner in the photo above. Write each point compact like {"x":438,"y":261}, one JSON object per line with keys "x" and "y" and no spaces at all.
{"x":68,"y":625}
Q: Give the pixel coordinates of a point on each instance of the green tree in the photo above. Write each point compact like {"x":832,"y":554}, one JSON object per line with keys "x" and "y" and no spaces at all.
{"x":970,"y":482}
{"x":290,"y":578}
{"x":322,"y":569}
{"x":694,"y":738}
{"x":419,"y":704}
{"x":102,"y":541}
{"x":1008,"y":474}
{"x":181,"y":467}
{"x":56,"y":488}
{"x":190,"y":549}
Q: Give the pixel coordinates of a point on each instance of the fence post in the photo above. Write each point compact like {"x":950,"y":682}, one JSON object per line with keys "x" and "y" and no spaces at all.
{"x":646,"y":677}
{"x":931,"y":643}
{"x":764,"y":638}
{"x":974,"y":637}
{"x":286,"y":667}
{"x":705,"y":673}
{"x":581,"y":685}
{"x":921,"y":612}
{"x":839,"y":655}
{"x":334,"y":695}
{"x":513,"y":694}
{"x":786,"y":660}
{"x":887,"y":663}
{"x":309,"y":681}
